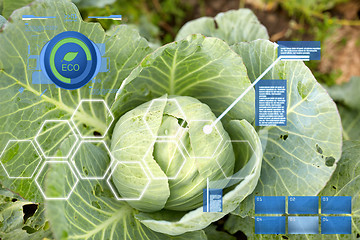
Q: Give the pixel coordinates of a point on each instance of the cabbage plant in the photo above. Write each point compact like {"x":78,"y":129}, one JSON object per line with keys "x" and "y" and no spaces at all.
{"x":160,"y":158}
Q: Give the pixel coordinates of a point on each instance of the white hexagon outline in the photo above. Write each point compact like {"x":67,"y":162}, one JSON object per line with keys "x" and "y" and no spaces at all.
{"x":148,"y":109}
{"x":151,"y":148}
{"x":72,"y":147}
{"x":112,"y":188}
{"x":37,"y":166}
{"x":218,"y":146}
{"x":92,"y":100}
{"x":56,"y":198}
{"x":238,"y":141}
{"x":78,"y":171}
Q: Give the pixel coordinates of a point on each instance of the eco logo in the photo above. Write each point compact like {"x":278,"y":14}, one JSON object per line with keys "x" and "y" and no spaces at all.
{"x":70,"y":60}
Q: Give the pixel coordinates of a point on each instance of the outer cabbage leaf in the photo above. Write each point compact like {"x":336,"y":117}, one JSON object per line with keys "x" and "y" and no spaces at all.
{"x":300,"y":157}
{"x":203,"y":68}
{"x":233,"y":26}
{"x":175,"y":223}
{"x":23,"y":113}
{"x":92,"y":212}
{"x":14,"y":225}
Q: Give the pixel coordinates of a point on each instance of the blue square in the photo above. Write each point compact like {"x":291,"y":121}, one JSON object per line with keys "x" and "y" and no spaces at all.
{"x":303,"y":205}
{"x":269,"y":204}
{"x":213,"y":202}
{"x":335,"y":225}
{"x":270,"y":225}
{"x":303,"y":225}
{"x":336,"y":204}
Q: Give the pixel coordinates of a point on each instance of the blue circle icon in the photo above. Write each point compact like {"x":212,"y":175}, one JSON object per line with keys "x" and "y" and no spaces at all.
{"x":70,"y":60}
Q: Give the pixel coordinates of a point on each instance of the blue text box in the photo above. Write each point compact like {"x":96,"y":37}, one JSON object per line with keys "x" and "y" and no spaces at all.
{"x":302,"y":50}
{"x":271,"y":102}
{"x":303,"y":205}
{"x":303,"y":225}
{"x":213,"y":202}
{"x":270,"y":225}
{"x":269,"y":205}
{"x":335,"y":225}
{"x":336,"y":205}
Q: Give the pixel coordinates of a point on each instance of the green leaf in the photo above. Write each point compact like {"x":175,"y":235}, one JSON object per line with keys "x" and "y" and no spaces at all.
{"x":23,"y":113}
{"x":350,"y":119}
{"x":70,"y":56}
{"x":173,"y":223}
{"x":9,"y":6}
{"x":232,"y":26}
{"x":12,"y":219}
{"x":347,"y":94}
{"x":348,"y":101}
{"x":203,"y":68}
{"x":345,"y":182}
{"x":92,"y":212}
{"x":297,"y":156}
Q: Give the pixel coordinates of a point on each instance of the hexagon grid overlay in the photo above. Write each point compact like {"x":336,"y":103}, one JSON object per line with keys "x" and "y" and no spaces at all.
{"x":167,"y":165}
{"x":113,"y":188}
{"x":20,"y":159}
{"x":95,"y":165}
{"x":56,"y":180}
{"x":50,"y":136}
{"x":249,"y":152}
{"x":149,"y":110}
{"x":99,"y":111}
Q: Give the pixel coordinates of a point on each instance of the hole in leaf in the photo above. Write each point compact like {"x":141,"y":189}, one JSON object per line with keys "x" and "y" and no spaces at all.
{"x":318,"y":149}
{"x":334,"y":187}
{"x":97,"y":134}
{"x":357,"y":235}
{"x":85,"y":171}
{"x":182,"y":123}
{"x":284,"y":137}
{"x":216,"y":24}
{"x":29,"y":210}
{"x":14,"y":200}
{"x":329,"y":161}
{"x":29,"y":230}
{"x":284,"y":237}
{"x":96,"y":204}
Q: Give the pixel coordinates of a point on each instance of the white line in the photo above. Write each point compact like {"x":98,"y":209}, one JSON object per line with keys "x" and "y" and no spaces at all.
{"x":245,"y":92}
{"x":207,"y":195}
{"x":295,"y":59}
{"x":299,"y":56}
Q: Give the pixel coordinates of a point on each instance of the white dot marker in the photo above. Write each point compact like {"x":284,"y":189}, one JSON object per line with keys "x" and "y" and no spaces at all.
{"x":207,"y":129}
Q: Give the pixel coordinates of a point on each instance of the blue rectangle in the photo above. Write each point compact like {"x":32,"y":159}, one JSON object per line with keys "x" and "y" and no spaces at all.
{"x":310,"y":50}
{"x":303,"y":225}
{"x":269,"y":205}
{"x":303,"y":205}
{"x":335,"y":225}
{"x":336,"y":205}
{"x":270,"y":225}
{"x":271,"y":103}
{"x":214,"y":200}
